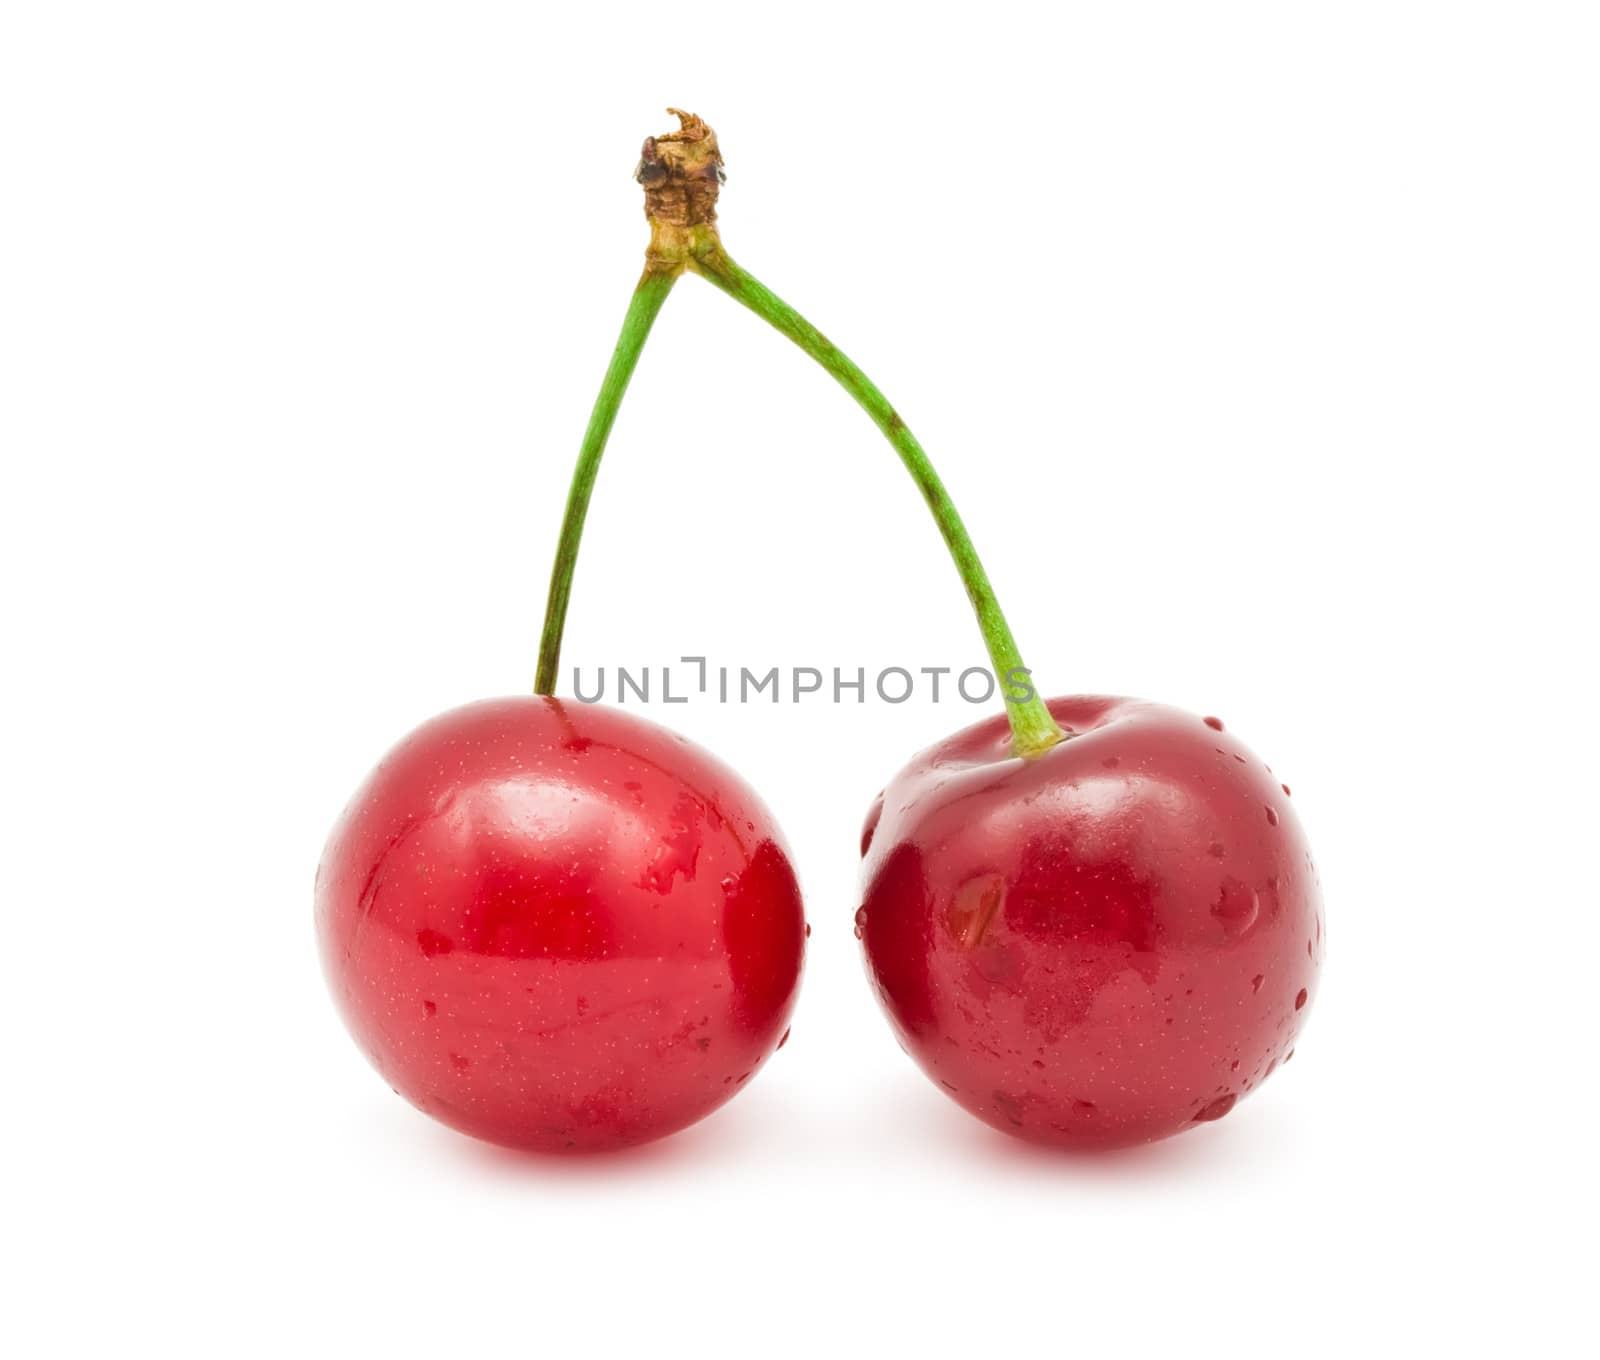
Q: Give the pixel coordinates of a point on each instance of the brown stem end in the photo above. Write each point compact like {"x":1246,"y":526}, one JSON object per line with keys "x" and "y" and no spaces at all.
{"x":681,"y":173}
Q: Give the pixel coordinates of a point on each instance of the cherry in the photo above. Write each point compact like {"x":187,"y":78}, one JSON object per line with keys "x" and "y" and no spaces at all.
{"x":556,"y":925}
{"x":1104,"y":944}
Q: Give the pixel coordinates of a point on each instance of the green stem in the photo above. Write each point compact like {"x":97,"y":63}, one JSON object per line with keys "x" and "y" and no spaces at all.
{"x":1033,"y":730}
{"x":642,"y":311}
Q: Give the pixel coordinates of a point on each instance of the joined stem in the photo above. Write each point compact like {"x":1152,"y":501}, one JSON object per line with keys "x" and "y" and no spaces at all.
{"x":681,"y":173}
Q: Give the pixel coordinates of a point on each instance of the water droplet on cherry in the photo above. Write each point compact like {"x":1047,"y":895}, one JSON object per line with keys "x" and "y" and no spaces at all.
{"x":973,"y":908}
{"x":861,"y":922}
{"x":1236,"y":908}
{"x":1272,"y":817}
{"x":1300,"y":999}
{"x":432,"y":943}
{"x":1216,"y":1109}
{"x":1215,"y":724}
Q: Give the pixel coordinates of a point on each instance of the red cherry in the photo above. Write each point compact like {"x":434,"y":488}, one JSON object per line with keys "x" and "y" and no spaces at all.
{"x":555,"y":925}
{"x":1104,"y":944}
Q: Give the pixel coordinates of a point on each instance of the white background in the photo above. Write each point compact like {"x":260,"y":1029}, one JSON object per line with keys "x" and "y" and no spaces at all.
{"x":1258,"y":345}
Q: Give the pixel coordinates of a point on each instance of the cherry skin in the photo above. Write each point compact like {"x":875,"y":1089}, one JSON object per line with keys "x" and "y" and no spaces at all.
{"x":558,"y":926}
{"x":1104,"y":944}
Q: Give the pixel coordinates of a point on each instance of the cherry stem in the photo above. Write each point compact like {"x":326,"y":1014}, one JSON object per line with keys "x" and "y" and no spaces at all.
{"x":648,"y":298}
{"x":1033,"y":730}
{"x":681,"y":173}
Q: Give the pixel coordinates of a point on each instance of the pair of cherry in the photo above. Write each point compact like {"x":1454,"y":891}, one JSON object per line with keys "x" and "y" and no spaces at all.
{"x":1092,"y":921}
